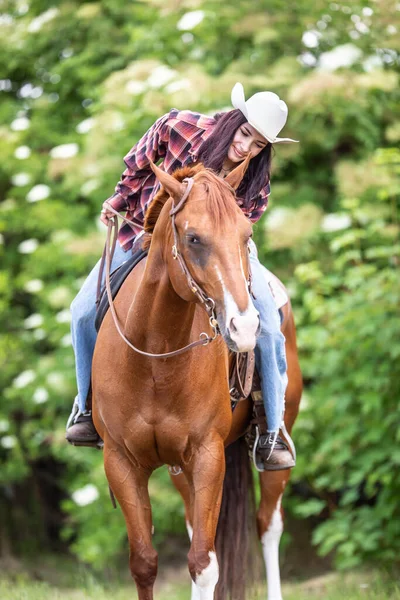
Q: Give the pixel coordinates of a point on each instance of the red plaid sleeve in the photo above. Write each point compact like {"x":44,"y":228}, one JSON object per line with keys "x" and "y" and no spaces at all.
{"x":260,"y":204}
{"x":152,"y":146}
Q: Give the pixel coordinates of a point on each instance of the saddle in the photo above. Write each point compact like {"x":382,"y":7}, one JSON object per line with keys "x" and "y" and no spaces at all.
{"x":117,"y":278}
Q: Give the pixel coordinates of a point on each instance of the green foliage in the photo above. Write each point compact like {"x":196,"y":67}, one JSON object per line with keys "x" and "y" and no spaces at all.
{"x":82,"y":82}
{"x":349,"y":338}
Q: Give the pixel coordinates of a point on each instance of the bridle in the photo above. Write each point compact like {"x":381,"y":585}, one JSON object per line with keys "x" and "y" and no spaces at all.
{"x":208,"y":303}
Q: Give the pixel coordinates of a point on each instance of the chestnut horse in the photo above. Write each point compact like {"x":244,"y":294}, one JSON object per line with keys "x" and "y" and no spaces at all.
{"x":176,"y":409}
{"x":272,"y":485}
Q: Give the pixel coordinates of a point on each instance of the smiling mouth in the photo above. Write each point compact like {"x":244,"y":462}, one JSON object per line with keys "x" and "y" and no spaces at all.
{"x":237,"y":153}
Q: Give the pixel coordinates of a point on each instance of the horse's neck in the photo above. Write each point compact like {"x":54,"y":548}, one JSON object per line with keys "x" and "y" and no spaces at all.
{"x":158,"y":319}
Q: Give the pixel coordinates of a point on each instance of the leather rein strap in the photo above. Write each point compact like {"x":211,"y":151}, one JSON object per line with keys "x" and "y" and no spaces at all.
{"x":209,"y":303}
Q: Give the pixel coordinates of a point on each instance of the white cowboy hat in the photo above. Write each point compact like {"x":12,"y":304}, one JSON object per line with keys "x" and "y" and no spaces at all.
{"x":265,"y":111}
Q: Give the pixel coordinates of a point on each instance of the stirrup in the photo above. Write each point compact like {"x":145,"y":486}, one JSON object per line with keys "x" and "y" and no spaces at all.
{"x":254,"y":451}
{"x":288,"y":440}
{"x":75,"y":412}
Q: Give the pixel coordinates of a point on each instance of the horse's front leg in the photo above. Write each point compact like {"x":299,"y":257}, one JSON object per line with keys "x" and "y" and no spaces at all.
{"x":129,"y":484}
{"x":182,"y":486}
{"x":206,"y":475}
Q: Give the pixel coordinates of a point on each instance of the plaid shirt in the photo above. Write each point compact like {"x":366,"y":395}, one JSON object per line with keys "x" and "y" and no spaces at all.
{"x":176,"y":138}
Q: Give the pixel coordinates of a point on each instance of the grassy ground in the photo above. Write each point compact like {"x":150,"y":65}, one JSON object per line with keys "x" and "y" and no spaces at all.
{"x":18,"y":585}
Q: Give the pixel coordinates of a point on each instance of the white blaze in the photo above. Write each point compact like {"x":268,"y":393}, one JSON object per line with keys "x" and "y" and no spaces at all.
{"x":270,"y":543}
{"x":245,"y":323}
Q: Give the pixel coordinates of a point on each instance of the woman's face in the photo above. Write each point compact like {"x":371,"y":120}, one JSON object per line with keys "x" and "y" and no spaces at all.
{"x":247,"y":139}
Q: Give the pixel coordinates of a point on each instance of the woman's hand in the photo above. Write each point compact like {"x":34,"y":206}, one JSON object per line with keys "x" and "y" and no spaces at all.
{"x":106,"y":214}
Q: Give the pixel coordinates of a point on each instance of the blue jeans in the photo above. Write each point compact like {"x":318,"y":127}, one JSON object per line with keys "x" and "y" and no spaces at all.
{"x":270,"y":349}
{"x":83,"y":331}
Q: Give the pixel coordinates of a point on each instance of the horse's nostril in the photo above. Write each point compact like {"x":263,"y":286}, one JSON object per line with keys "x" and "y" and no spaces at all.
{"x":232,"y":326}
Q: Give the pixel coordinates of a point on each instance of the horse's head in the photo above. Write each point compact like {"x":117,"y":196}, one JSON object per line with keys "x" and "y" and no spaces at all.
{"x":211,"y":234}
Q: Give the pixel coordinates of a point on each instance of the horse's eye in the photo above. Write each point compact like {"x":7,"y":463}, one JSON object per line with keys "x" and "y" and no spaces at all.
{"x":192,"y":239}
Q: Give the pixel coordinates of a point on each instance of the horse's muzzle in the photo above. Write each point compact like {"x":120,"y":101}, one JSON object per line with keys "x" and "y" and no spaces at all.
{"x":242,"y":330}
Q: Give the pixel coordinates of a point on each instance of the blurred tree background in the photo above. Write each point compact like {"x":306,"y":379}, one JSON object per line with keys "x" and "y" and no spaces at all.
{"x":81,"y":82}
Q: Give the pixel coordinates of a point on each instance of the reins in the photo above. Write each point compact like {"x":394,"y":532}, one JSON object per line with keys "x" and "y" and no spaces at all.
{"x":208,"y":303}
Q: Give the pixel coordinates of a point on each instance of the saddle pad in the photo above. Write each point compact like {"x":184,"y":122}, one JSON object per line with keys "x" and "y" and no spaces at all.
{"x":278,"y":292}
{"x":117,"y":278}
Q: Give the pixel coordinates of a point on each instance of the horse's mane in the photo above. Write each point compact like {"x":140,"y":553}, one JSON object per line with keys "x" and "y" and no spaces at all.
{"x":219,"y":198}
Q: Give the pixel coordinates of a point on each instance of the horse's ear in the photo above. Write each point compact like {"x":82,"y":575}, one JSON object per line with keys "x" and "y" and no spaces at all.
{"x":174,"y":187}
{"x":235,"y":177}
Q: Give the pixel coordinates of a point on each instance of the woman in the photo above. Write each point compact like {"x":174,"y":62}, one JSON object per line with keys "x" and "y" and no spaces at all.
{"x":220,"y":143}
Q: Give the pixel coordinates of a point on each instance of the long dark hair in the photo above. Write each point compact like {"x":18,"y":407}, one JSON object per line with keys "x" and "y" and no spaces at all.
{"x":214,"y":150}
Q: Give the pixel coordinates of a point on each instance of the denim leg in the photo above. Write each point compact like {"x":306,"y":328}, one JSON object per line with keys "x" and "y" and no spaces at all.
{"x":270,"y":349}
{"x":84,"y":334}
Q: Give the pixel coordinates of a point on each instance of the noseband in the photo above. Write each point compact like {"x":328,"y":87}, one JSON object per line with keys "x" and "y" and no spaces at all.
{"x":208,"y":303}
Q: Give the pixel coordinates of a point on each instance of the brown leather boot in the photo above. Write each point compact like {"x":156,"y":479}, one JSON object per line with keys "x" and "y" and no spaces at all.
{"x":274,"y":457}
{"x":268,"y":451}
{"x":83,"y":432}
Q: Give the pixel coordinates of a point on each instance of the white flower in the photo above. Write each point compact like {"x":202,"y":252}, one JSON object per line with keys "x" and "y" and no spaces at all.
{"x":117,"y":122}
{"x":372,"y":62}
{"x":24,"y":379}
{"x":34,"y":320}
{"x":190,"y":20}
{"x":176,"y":86}
{"x":335,"y":222}
{"x":86,"y":495}
{"x":67,"y":52}
{"x":135,"y":87}
{"x":160,"y":75}
{"x":311,"y":38}
{"x":367,"y":11}
{"x":20,"y":179}
{"x":6,"y":19}
{"x":22,"y":8}
{"x":39,"y":334}
{"x":66,"y":341}
{"x":64,"y":316}
{"x":28,"y":246}
{"x":40,"y":395}
{"x":59,"y":297}
{"x":307,"y":59}
{"x":64,"y":151}
{"x":30,"y":91}
{"x":4,"y":425}
{"x":341,"y":56}
{"x":37,"y":23}
{"x":278,"y":217}
{"x":33,"y":286}
{"x":20,"y":124}
{"x":361,"y":27}
{"x":85,"y":126}
{"x":89,"y":186}
{"x":187,"y":38}
{"x":38,"y":192}
{"x":5,"y":84}
{"x":8,"y":441}
{"x":55,"y":380}
{"x":22,"y":152}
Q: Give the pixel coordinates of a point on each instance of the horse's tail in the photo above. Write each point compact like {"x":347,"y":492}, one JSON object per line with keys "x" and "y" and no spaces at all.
{"x":236,"y":532}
